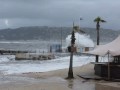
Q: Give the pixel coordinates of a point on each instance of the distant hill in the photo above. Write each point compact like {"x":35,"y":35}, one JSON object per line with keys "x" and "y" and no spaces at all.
{"x":52,"y":33}
{"x":106,"y":35}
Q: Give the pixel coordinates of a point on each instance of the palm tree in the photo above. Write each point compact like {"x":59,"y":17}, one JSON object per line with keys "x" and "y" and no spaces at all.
{"x":98,"y":20}
{"x":70,"y":72}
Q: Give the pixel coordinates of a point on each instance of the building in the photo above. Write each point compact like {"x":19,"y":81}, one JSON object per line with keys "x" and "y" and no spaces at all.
{"x":83,"y":41}
{"x":55,"y":48}
{"x":108,"y":69}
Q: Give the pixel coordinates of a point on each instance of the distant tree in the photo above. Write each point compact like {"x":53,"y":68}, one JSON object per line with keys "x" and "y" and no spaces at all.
{"x":98,"y":20}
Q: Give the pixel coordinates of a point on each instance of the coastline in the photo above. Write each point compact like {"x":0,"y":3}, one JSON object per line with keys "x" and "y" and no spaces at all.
{"x":88,"y":68}
{"x":55,"y":80}
{"x":51,"y":80}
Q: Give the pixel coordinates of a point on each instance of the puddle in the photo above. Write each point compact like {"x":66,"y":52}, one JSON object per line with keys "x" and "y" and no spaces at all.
{"x":77,"y":84}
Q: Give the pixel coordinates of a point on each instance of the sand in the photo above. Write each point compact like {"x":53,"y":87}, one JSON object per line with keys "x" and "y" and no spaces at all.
{"x":108,"y":86}
{"x":40,"y":86}
{"x":63,"y":73}
{"x":52,"y":80}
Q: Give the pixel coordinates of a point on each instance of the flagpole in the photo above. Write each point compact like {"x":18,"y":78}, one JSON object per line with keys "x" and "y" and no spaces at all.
{"x":80,"y":19}
{"x":108,"y":66}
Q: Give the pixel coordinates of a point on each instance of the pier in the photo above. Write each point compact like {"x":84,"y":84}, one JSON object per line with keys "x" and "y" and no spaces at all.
{"x":11,"y":52}
{"x":34,"y":56}
{"x":28,"y":55}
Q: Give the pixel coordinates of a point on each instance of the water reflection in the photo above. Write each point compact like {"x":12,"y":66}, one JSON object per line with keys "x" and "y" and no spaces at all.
{"x":77,"y":84}
{"x":70,"y":83}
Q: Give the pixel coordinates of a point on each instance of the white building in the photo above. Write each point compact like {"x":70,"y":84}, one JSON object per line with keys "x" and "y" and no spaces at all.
{"x":83,"y":42}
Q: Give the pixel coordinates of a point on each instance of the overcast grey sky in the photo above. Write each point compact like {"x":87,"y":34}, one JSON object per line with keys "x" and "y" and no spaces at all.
{"x":17,"y":13}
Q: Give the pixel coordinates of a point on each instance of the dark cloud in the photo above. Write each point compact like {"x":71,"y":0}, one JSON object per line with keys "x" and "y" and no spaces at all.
{"x":58,"y":12}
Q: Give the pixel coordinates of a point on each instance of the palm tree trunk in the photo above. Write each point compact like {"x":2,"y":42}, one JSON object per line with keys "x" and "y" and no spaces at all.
{"x":97,"y":58}
{"x":98,"y":39}
{"x":70,"y":72}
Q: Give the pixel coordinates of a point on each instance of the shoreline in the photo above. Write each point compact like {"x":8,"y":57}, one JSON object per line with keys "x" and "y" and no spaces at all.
{"x":14,"y":67}
{"x":54,"y":80}
{"x":62,"y":72}
{"x":50,"y":80}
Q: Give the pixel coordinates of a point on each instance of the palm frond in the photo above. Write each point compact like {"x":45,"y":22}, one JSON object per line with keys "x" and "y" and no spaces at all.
{"x":103,"y":21}
{"x":98,"y":19}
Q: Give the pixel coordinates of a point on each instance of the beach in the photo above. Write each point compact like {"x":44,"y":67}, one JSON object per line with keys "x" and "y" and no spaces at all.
{"x":52,"y":80}
{"x":25,"y":75}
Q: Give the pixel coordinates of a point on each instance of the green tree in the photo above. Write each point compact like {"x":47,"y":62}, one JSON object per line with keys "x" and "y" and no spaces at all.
{"x":98,"y":20}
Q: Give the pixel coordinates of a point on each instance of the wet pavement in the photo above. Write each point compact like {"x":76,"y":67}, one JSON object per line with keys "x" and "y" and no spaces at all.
{"x":75,"y":84}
